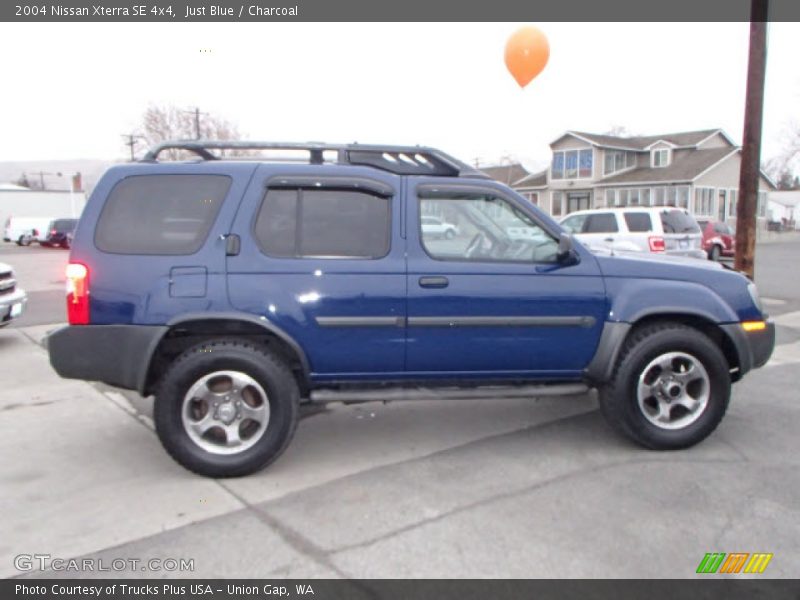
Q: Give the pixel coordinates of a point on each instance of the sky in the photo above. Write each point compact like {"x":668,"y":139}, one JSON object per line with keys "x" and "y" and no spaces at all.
{"x":70,"y":90}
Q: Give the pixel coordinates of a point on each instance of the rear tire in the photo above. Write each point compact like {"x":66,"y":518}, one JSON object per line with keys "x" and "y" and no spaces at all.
{"x":243,"y":398}
{"x":670,"y":388}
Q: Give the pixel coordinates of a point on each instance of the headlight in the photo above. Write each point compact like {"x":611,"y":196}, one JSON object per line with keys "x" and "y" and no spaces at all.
{"x":753,"y":291}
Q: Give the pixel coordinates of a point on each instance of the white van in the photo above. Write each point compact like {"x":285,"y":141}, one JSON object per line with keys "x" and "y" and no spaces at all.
{"x":25,"y":230}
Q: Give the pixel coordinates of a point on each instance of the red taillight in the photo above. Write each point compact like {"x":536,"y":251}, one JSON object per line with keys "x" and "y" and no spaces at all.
{"x":657,"y":244}
{"x":77,"y":294}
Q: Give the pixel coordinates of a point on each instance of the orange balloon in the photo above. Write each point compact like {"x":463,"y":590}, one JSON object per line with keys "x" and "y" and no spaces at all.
{"x":527,"y":52}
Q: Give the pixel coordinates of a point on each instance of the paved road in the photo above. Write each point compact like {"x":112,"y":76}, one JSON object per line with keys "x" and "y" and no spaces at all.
{"x":520,"y":488}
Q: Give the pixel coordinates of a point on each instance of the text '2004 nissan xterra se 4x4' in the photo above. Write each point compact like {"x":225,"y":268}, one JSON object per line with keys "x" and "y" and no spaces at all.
{"x":236,"y":289}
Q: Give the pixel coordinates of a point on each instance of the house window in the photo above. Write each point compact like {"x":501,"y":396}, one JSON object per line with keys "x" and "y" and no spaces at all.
{"x":611,"y":197}
{"x":704,"y":202}
{"x":659,"y":158}
{"x":573,"y":164}
{"x":617,"y":160}
{"x":761,"y":206}
{"x":682,"y":199}
{"x":532,"y":197}
{"x":732,"y":196}
{"x":556,"y":201}
{"x":660,"y":198}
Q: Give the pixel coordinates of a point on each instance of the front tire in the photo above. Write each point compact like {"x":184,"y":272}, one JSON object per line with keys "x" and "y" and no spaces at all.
{"x":449,"y":234}
{"x":226,"y":408}
{"x":670,"y":388}
{"x":714,"y":253}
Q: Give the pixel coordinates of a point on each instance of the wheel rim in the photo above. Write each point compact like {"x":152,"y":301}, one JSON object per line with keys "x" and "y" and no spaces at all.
{"x":225,"y":412}
{"x":673,"y":390}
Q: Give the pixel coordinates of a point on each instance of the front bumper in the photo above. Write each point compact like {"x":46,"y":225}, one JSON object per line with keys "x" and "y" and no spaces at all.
{"x":12,"y":305}
{"x":753,"y":347}
{"x":118,"y":355}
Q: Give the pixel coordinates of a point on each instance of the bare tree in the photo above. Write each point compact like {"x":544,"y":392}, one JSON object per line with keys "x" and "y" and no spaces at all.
{"x":162,"y":123}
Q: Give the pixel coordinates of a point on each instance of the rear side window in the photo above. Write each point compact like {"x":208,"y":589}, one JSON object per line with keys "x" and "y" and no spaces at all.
{"x":601,"y":223}
{"x":638,"y":222}
{"x":160,"y":214}
{"x":324,"y":224}
{"x":64,"y":225}
{"x":677,"y":221}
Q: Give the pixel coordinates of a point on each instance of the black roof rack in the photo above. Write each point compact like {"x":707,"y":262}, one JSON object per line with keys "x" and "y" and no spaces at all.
{"x":401,"y":160}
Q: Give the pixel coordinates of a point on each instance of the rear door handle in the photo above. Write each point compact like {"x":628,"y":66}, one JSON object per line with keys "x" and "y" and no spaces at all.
{"x":609,"y":239}
{"x":433,"y":282}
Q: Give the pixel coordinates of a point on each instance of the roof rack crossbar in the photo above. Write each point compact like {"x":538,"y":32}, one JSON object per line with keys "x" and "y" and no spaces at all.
{"x":401,"y":160}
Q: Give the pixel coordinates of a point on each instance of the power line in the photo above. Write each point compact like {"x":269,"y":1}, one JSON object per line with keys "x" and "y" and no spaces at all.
{"x":196,"y":112}
{"x":131,"y":142}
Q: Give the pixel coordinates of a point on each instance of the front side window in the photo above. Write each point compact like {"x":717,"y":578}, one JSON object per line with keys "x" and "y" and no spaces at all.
{"x":574,"y":224}
{"x":160,"y":214}
{"x":323,"y":223}
{"x":486,"y":228}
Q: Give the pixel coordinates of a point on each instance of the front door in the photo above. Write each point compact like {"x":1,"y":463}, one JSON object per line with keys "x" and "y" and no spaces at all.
{"x":322,"y":259}
{"x":493,"y":302}
{"x":578,"y":201}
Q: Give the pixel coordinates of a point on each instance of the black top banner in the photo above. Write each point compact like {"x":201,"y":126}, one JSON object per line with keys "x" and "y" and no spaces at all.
{"x":405,"y":10}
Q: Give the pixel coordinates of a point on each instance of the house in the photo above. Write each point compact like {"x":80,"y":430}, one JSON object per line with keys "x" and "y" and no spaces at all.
{"x":530,"y":185}
{"x":697,"y":170}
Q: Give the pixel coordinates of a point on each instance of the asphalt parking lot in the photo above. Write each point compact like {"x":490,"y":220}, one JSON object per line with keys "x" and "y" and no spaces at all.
{"x":506,"y":489}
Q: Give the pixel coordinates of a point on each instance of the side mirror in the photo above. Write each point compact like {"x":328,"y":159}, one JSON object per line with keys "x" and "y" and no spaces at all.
{"x":566,"y":254}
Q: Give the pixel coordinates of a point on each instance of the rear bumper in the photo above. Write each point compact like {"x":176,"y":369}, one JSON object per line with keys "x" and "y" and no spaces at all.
{"x":754,"y":347}
{"x":118,"y":355}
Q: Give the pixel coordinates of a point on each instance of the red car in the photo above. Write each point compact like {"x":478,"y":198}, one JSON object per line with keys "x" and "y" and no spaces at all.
{"x":718,"y":239}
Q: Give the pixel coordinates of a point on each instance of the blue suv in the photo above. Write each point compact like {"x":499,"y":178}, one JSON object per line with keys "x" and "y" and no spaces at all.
{"x":236,"y":287}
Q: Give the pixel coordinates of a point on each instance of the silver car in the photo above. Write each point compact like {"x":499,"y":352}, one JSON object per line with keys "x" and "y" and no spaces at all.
{"x":664,"y":229}
{"x":12,"y":297}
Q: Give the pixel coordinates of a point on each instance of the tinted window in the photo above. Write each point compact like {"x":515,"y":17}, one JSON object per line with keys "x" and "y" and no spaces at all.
{"x":677,"y":221}
{"x":160,"y":214}
{"x":638,"y":222}
{"x":64,"y":225}
{"x":722,"y":228}
{"x":601,"y":223}
{"x":324,"y":223}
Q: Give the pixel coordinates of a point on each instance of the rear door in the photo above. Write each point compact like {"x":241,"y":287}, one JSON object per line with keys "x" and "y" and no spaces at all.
{"x":322,"y":258}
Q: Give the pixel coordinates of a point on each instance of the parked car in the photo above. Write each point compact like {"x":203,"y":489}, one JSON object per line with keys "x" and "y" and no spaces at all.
{"x":26,"y":230}
{"x":12,"y":297}
{"x":60,"y":233}
{"x":668,"y":230}
{"x":436,"y":227}
{"x":718,"y":239}
{"x":293,"y":283}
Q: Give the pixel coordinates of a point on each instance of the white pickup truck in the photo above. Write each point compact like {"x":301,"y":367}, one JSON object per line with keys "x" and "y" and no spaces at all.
{"x":12,"y":297}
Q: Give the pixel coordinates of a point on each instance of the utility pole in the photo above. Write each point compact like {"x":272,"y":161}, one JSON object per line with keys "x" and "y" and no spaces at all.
{"x":750,"y":173}
{"x":196,"y":112}
{"x":131,"y":142}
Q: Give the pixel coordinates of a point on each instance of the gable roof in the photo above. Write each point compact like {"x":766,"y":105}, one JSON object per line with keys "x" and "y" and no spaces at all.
{"x":641,"y":142}
{"x":533,"y":180}
{"x":684,"y":167}
{"x":509,"y":174}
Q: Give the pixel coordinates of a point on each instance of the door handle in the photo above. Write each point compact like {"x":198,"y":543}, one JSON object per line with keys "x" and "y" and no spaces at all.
{"x":609,"y":239}
{"x":433,"y":282}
